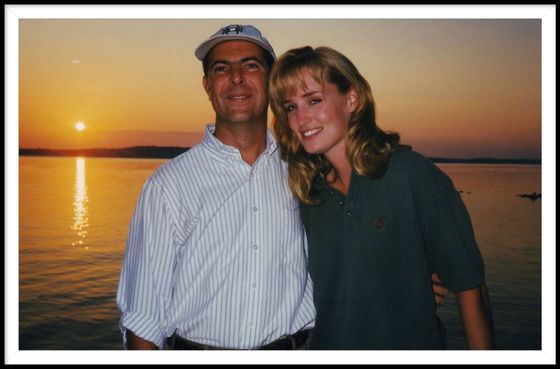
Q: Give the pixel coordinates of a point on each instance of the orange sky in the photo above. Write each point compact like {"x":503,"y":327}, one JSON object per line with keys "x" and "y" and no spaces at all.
{"x":452,"y":88}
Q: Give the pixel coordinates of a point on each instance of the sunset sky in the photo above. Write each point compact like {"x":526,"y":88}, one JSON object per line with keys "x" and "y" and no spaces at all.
{"x":451,"y":87}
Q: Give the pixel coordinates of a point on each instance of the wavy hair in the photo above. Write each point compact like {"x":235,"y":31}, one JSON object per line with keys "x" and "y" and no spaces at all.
{"x":367,"y":146}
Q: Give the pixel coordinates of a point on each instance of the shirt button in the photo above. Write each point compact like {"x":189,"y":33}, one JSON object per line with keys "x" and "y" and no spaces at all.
{"x":348,"y":212}
{"x":340,"y":203}
{"x":254,"y":285}
{"x":255,"y":209}
{"x":255,"y":246}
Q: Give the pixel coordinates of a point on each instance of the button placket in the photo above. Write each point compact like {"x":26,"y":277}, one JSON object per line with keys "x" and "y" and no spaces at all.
{"x":254,"y":245}
{"x":348,"y":205}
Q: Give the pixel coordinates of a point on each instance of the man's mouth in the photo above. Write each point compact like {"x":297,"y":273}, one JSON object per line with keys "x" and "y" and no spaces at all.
{"x":238,"y":97}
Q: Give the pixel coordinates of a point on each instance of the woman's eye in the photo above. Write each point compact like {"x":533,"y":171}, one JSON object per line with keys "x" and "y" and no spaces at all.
{"x":315,"y":101}
{"x":289,"y":108}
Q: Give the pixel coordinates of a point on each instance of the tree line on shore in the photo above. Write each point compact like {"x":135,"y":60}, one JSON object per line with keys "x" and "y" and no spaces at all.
{"x":169,"y":152}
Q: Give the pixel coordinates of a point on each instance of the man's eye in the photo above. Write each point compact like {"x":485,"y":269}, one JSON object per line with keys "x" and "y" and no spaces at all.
{"x":252,"y":66}
{"x":219,"y":69}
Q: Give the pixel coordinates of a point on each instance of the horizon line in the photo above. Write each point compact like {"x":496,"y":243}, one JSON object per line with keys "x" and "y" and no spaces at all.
{"x":176,"y":150}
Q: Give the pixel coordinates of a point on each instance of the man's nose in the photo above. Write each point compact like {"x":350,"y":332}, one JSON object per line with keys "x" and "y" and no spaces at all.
{"x":237,"y":76}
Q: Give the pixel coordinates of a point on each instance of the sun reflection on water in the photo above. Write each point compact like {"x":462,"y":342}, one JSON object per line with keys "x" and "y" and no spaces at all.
{"x":80,"y":224}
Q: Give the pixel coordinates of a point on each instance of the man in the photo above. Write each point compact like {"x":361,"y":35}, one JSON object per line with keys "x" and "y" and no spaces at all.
{"x":216,"y":252}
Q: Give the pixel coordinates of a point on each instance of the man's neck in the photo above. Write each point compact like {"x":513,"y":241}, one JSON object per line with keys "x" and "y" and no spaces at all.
{"x":248,"y":138}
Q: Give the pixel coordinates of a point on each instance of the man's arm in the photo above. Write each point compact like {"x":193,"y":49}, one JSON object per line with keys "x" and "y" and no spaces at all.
{"x":476,"y":316}
{"x":145,"y":275}
{"x":440,"y":291}
{"x":133,"y":342}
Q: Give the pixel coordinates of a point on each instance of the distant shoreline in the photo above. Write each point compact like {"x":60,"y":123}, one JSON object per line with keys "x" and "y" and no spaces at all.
{"x":169,"y":152}
{"x":147,"y":152}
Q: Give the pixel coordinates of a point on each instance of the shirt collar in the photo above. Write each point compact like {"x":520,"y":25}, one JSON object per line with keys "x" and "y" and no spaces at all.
{"x":320,"y":183}
{"x":212,"y":143}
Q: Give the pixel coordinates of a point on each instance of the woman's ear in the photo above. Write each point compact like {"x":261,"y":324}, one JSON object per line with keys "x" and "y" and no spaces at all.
{"x":352,"y":99}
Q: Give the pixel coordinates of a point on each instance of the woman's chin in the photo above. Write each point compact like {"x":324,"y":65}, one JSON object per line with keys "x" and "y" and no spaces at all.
{"x":311,"y":149}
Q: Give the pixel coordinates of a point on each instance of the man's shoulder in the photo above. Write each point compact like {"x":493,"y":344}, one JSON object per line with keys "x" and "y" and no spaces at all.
{"x":183,"y":163}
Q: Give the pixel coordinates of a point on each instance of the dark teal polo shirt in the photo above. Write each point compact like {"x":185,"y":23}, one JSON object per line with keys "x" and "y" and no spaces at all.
{"x":372,"y":252}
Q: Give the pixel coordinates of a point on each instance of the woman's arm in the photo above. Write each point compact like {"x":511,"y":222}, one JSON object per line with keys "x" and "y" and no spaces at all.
{"x":476,"y":316}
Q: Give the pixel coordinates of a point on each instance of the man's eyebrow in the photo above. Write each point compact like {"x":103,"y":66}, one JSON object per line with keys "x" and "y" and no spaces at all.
{"x":252,"y":58}
{"x":242,"y":60}
{"x":218,"y":61}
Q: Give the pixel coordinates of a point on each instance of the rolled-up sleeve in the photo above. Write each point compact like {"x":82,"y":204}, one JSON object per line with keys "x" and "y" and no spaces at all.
{"x":145,"y":285}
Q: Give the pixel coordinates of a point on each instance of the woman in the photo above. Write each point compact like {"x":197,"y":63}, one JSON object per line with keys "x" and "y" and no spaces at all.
{"x":380,"y":218}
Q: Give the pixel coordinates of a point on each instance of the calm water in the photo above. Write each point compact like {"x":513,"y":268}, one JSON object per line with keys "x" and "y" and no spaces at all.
{"x":74,"y":215}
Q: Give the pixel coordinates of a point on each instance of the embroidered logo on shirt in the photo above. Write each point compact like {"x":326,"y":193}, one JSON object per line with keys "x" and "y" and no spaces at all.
{"x":378,"y":223}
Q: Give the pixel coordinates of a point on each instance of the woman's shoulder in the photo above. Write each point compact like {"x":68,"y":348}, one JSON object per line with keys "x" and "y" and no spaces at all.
{"x":404,"y":157}
{"x":415,"y":165}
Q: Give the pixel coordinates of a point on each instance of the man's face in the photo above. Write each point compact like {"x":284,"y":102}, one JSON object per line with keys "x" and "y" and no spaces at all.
{"x":237,"y":82}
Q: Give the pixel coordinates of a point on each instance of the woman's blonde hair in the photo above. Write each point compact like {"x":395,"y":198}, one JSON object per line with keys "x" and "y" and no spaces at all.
{"x":368,"y":147}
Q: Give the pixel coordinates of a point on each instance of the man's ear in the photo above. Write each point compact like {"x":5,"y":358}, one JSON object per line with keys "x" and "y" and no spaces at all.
{"x":206,"y":86}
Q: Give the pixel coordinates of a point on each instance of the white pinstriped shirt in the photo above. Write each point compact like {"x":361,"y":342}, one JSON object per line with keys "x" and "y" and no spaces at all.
{"x":216,"y":251}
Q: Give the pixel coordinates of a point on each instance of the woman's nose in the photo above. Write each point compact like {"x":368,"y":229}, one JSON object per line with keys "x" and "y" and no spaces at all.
{"x":302,"y":115}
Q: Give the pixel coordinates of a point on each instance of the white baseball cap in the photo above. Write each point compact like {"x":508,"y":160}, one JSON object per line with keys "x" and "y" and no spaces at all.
{"x":234,"y":32}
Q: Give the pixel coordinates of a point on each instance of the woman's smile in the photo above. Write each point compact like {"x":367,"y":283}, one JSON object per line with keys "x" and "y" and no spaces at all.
{"x":312,"y":132}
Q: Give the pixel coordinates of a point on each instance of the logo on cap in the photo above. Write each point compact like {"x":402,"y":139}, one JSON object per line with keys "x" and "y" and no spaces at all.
{"x":234,"y":32}
{"x":234,"y":28}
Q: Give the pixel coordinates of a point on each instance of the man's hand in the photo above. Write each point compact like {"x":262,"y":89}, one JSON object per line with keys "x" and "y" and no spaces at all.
{"x":133,"y":342}
{"x":440,"y":291}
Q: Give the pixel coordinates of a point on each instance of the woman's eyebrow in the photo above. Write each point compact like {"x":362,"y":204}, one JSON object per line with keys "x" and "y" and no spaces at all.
{"x":307,"y":94}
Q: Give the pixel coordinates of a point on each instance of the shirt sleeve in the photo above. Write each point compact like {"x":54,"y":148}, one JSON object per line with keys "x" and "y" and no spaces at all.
{"x":145,"y":285}
{"x":447,"y":230}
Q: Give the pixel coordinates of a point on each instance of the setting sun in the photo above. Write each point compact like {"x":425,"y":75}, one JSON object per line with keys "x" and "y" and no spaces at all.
{"x":80,"y":126}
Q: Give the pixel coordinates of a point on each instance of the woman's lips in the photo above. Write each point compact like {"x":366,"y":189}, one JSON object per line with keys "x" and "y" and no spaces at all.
{"x":311,"y":132}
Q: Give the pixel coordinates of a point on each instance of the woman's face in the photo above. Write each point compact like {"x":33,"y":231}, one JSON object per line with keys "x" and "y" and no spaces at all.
{"x":319,"y":116}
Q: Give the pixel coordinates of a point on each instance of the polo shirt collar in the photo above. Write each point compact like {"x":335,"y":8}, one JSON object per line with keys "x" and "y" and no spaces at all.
{"x":320,"y":184}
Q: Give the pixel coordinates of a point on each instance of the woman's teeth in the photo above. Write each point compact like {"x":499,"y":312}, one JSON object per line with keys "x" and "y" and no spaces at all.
{"x":311,"y":132}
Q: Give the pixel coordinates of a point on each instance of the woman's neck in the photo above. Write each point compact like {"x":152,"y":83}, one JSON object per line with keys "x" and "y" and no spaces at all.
{"x":341,"y":173}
